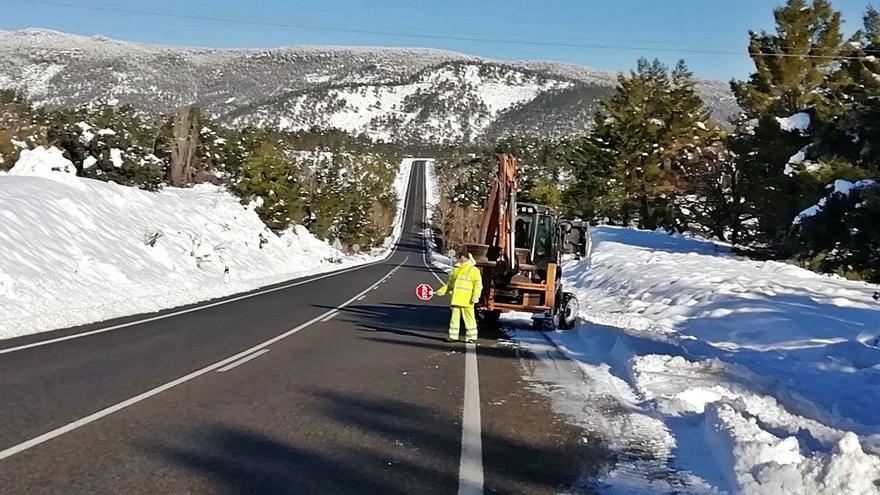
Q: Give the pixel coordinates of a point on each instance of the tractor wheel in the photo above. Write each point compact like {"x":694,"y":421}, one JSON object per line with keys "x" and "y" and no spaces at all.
{"x":567,"y":312}
{"x":489,"y":318}
{"x":489,"y":325}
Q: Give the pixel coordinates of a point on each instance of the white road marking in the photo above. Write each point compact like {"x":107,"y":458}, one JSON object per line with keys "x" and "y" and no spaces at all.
{"x":243,"y":360}
{"x":362,"y":298}
{"x":185,"y":311}
{"x":470,"y":467}
{"x":225,"y":301}
{"x":330,"y":316}
{"x":11,"y":451}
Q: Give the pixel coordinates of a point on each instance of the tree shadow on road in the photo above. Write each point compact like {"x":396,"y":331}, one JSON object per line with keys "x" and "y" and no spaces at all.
{"x":418,"y":326}
{"x":420,"y":321}
{"x":367,"y":445}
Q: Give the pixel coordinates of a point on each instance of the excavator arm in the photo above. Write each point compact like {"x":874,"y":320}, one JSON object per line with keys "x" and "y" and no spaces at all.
{"x":499,"y":212}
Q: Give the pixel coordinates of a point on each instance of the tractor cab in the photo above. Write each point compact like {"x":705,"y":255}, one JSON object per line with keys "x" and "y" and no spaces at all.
{"x":535,"y":235}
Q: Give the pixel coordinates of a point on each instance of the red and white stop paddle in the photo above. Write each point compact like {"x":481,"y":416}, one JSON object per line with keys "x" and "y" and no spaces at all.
{"x":425,"y":292}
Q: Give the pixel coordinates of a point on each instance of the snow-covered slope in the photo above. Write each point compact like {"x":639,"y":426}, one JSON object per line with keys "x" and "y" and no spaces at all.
{"x":76,"y":250}
{"x":706,"y":370}
{"x":390,"y":93}
{"x":449,"y":103}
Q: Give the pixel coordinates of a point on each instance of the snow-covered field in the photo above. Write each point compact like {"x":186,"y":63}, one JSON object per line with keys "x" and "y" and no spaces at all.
{"x":77,"y":251}
{"x":705,"y":372}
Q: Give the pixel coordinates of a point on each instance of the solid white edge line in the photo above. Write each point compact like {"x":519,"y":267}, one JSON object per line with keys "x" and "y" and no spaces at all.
{"x":243,"y":360}
{"x":11,"y":451}
{"x":470,"y":469}
{"x":230,"y":300}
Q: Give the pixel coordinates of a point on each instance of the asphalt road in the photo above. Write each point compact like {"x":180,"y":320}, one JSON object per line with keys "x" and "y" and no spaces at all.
{"x":334,"y":384}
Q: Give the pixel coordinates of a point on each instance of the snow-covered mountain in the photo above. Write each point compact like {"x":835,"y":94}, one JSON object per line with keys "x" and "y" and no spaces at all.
{"x":404,"y":94}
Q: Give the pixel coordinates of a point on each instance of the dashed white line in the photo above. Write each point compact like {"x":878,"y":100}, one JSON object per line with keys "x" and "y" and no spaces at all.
{"x":185,"y":311}
{"x":330,"y":316}
{"x":33,"y":442}
{"x":243,"y":360}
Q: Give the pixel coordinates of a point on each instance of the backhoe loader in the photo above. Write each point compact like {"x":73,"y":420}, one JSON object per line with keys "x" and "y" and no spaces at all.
{"x":519,"y":255}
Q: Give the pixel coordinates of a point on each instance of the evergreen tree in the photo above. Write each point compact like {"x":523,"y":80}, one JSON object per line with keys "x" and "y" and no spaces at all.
{"x":589,"y":196}
{"x":109,"y":144}
{"x":648,"y":139}
{"x":20,"y":127}
{"x":843,"y":236}
{"x":858,"y":132}
{"x":268,"y":181}
{"x":797,"y":76}
{"x":795,"y":67}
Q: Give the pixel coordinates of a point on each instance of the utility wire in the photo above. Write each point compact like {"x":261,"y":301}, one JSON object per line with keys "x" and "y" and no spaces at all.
{"x":396,"y":34}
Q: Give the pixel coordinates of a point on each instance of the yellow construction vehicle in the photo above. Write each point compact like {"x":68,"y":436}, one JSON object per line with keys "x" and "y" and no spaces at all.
{"x":519,"y":256}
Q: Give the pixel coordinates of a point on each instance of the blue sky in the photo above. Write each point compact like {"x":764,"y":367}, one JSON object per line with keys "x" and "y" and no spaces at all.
{"x":656,"y":28}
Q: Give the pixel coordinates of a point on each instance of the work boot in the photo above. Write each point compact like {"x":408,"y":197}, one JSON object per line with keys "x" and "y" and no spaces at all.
{"x":451,"y":340}
{"x":472,"y":341}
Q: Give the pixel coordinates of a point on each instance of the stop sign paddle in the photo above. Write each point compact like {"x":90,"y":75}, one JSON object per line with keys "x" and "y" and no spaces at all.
{"x":425,"y":292}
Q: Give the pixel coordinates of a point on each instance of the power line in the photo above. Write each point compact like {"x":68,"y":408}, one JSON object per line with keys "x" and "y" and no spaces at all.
{"x":398,"y":34}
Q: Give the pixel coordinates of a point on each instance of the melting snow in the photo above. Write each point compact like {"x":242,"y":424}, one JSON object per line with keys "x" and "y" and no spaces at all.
{"x":708,"y":372}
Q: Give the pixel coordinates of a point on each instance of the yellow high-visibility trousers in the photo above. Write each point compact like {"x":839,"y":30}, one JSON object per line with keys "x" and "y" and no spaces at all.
{"x":470,"y":322}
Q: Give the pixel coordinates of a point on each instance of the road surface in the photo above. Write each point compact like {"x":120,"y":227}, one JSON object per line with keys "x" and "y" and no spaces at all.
{"x":338,"y":383}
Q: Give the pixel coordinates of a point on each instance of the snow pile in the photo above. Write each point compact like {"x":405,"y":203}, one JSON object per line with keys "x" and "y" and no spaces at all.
{"x":44,"y":162}
{"x":77,"y":251}
{"x":764,"y":375}
{"x":799,"y":158}
{"x":799,"y":122}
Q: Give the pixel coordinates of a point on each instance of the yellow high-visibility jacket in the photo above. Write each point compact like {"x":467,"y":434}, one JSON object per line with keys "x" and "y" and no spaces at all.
{"x":466,"y":284}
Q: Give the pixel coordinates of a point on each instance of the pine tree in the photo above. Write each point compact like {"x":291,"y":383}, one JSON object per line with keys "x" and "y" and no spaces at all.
{"x":269,"y":181}
{"x":797,"y":73}
{"x":796,"y":68}
{"x":649,"y":137}
{"x":858,"y":133}
{"x":843,"y":235}
{"x":589,"y":196}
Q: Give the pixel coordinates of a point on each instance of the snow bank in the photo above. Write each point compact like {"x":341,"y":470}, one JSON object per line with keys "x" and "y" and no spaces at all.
{"x":765,"y":375}
{"x":44,"y":162}
{"x":77,"y":251}
{"x":759,"y":462}
{"x":432,"y":199}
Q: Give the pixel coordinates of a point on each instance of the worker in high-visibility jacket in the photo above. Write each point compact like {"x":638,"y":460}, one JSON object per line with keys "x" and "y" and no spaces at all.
{"x":466,"y":284}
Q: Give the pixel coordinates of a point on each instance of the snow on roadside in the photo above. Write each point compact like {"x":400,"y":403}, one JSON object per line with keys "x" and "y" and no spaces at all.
{"x":432,"y":199}
{"x":77,"y":251}
{"x":762,"y":376}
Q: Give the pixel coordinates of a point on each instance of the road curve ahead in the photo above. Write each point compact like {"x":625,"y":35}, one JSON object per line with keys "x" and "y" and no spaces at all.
{"x":332,"y":384}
